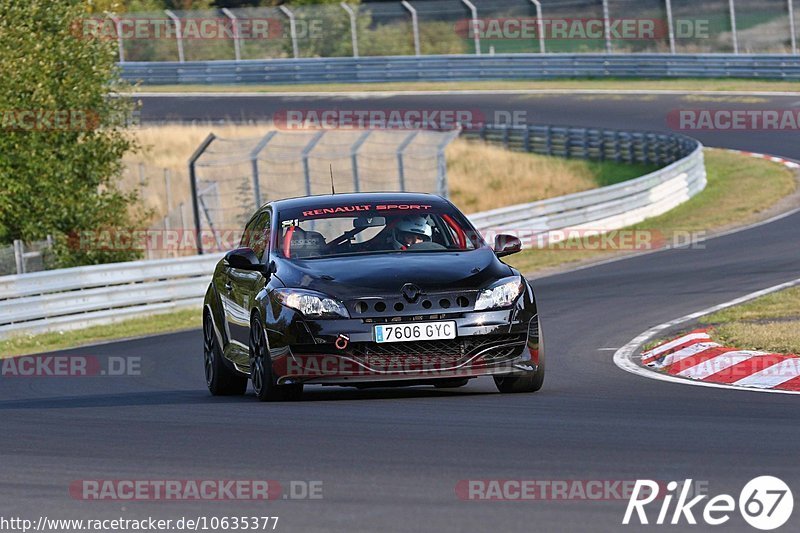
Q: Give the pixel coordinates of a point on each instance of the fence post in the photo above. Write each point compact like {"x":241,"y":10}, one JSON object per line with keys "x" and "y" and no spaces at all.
{"x":353,"y":27}
{"x":178,"y":34}
{"x":254,"y":165}
{"x":306,"y":151}
{"x":193,"y":182}
{"x":168,"y":189}
{"x":475,"y":28}
{"x":401,"y":173}
{"x":19,"y":260}
{"x":540,"y":25}
{"x":671,"y":27}
{"x":118,"y":26}
{"x":607,"y":26}
{"x":235,"y":26}
{"x":441,"y":163}
{"x":354,"y":158}
{"x":292,"y":30}
{"x":414,"y":25}
{"x":142,"y":180}
{"x":792,"y":27}
{"x":734,"y":33}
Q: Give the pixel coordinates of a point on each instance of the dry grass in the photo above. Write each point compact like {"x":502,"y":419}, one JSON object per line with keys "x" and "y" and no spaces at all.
{"x":739,"y":189}
{"x":776,"y":337}
{"x":771,"y":323}
{"x":480,"y":176}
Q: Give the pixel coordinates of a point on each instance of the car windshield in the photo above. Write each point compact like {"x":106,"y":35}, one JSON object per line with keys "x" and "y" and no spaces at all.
{"x":376,"y":228}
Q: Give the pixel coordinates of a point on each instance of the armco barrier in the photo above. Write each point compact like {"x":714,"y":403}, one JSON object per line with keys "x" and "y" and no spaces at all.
{"x":73,"y":298}
{"x":607,"y":208}
{"x":79,"y":297}
{"x":463,"y":68}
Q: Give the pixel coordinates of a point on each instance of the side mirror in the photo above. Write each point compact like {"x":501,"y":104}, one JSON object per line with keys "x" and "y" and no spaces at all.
{"x":244,"y":259}
{"x":506,"y":245}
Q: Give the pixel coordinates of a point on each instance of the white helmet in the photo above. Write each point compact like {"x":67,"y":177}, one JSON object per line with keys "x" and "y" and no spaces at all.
{"x":415,"y":225}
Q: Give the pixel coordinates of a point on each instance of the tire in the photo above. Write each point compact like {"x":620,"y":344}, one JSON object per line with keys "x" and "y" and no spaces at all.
{"x":221,"y":380}
{"x":261,"y":369}
{"x":451,"y":383}
{"x":527,"y":383}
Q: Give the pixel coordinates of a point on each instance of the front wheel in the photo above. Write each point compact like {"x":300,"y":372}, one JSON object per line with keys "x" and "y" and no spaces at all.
{"x":221,"y":380}
{"x":261,"y":370}
{"x":526,"y":383}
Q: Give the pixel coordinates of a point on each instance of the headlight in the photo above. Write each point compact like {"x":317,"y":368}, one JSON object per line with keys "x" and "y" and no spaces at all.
{"x":502,"y":294}
{"x":311,"y":304}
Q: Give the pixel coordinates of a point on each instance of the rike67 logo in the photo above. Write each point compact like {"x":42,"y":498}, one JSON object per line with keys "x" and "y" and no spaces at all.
{"x":765,"y":503}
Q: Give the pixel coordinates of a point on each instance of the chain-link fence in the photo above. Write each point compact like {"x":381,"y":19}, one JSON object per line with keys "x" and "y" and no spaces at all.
{"x":425,"y":27}
{"x":22,"y":257}
{"x":233,"y":177}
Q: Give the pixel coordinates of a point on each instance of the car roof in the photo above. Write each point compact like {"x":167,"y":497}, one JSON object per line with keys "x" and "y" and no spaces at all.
{"x":325,"y":200}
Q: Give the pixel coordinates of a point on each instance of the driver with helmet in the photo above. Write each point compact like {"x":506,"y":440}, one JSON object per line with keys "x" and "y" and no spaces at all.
{"x":410,"y":231}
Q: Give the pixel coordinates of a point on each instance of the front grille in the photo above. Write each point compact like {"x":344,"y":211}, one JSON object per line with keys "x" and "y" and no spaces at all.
{"x":450,"y":348}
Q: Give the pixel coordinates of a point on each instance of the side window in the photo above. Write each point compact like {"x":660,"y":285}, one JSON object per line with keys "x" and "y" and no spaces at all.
{"x":259,"y":237}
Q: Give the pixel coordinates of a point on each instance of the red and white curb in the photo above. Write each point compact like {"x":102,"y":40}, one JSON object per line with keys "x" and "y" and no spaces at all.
{"x":788,"y":163}
{"x":773,"y":373}
{"x":696,"y":356}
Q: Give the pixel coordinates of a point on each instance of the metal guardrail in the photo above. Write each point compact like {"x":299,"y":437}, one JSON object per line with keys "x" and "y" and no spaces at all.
{"x":464,"y":68}
{"x":607,"y":208}
{"x":79,"y":297}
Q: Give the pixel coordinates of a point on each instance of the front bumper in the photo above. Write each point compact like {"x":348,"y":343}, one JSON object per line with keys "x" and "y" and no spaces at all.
{"x":488,"y":343}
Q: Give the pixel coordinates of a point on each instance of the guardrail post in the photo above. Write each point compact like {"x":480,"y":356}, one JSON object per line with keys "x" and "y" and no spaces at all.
{"x":254,"y":165}
{"x":292,"y":30}
{"x":401,"y":174}
{"x":178,"y":34}
{"x":475,"y":28}
{"x":354,"y":158}
{"x":235,"y":27}
{"x":306,"y":151}
{"x":353,"y":27}
{"x":19,"y":260}
{"x":792,"y":26}
{"x":734,"y":33}
{"x":120,"y":45}
{"x":671,"y":27}
{"x":193,"y":182}
{"x":414,"y":25}
{"x":607,"y":26}
{"x":539,"y":25}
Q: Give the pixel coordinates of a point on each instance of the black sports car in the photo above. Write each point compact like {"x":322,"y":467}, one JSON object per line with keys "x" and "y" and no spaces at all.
{"x":377,"y":289}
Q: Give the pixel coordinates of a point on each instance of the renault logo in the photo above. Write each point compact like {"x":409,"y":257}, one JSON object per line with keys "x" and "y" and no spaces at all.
{"x":410,"y":292}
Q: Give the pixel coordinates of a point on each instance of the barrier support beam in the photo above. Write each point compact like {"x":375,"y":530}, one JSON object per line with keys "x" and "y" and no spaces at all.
{"x":414,"y":26}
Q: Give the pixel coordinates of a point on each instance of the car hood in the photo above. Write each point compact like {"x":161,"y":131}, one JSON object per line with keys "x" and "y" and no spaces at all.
{"x":353,"y":276}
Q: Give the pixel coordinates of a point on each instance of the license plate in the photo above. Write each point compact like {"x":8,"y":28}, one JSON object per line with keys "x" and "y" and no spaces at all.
{"x":420,"y":331}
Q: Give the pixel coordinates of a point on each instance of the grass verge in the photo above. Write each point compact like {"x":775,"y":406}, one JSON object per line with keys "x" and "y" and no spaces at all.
{"x":135,"y":327}
{"x":739,"y":189}
{"x":770,"y":323}
{"x":687,"y":84}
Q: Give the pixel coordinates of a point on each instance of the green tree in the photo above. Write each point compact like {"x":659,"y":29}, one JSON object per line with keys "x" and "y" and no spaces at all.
{"x":62,"y":131}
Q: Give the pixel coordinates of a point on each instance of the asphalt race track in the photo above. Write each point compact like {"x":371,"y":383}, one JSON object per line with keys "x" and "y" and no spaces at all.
{"x":390,"y":460}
